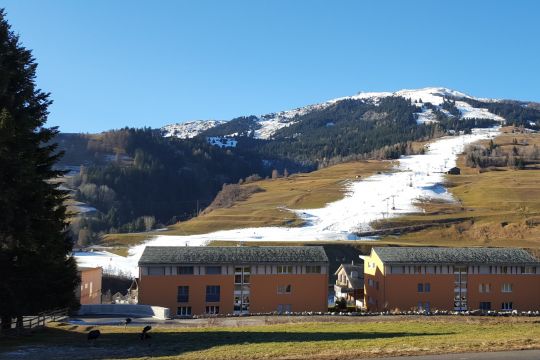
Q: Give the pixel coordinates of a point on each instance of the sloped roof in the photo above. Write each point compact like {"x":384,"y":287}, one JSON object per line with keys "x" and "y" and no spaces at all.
{"x":232,"y":255}
{"x":350,"y":267}
{"x":444,"y":255}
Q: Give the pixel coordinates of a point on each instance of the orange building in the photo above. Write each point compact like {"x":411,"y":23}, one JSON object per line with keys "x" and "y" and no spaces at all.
{"x":89,"y":291}
{"x":429,"y":278}
{"x":227,"y":280}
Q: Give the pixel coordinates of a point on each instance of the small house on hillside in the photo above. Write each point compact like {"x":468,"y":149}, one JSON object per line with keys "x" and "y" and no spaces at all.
{"x":350,"y":284}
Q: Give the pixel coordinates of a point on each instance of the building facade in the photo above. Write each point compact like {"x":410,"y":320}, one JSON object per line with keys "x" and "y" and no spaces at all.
{"x":425,"y":278}
{"x":234,"y":280}
{"x":350,"y":284}
{"x":89,"y":290}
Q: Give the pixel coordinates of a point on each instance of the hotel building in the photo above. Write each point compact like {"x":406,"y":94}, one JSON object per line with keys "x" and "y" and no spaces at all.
{"x":239,"y":280}
{"x":430,"y":278}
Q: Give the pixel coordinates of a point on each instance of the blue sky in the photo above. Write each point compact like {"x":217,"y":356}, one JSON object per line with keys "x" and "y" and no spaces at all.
{"x":110,"y":64}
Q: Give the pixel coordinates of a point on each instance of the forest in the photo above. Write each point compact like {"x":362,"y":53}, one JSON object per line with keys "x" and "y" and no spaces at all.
{"x":141,"y":180}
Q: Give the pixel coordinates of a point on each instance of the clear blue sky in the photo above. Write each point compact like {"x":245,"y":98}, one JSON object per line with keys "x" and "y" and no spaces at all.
{"x":110,"y":64}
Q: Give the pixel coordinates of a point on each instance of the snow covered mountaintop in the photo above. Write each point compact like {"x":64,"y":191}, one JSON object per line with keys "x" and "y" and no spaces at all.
{"x":270,"y":123}
{"x":189,"y":129}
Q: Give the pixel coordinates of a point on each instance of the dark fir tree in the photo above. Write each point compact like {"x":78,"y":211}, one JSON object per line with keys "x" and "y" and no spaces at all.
{"x":36,"y":270}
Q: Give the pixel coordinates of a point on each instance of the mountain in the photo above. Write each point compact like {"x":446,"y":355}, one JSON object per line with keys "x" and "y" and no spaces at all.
{"x":137,"y":179}
{"x":427,"y":101}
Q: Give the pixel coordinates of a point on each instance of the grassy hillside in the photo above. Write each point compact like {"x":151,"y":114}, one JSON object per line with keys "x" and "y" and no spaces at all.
{"x":498,"y":206}
{"x":269,"y":207}
{"x":316,"y":338}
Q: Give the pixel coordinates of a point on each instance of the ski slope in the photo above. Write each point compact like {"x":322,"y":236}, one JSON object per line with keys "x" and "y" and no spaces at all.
{"x":379,"y":196}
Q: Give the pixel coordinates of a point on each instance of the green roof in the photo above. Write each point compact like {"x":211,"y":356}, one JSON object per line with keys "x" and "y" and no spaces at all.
{"x":442,"y":255}
{"x":232,"y":255}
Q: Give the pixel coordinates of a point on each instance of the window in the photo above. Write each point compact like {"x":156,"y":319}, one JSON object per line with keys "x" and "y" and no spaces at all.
{"x":370,"y":282}
{"x":284,"y":269}
{"x":241,"y":275}
{"x":212,"y":293}
{"x":427,"y":306}
{"x":506,"y":306}
{"x":156,"y":270}
{"x":528,"y":270}
{"x":241,"y":269}
{"x":420,"y":287}
{"x":284,"y":289}
{"x":183,"y":311}
{"x":484,"y":288}
{"x":284,"y":308}
{"x":504,"y":269}
{"x":183,"y":294}
{"x":211,"y":310}
{"x":184,"y":270}
{"x":506,"y":288}
{"x":313,"y":269}
{"x":212,"y":270}
{"x":427,"y":287}
{"x":420,"y":307}
{"x":417,"y":269}
{"x":485,"y":305}
{"x":241,"y":303}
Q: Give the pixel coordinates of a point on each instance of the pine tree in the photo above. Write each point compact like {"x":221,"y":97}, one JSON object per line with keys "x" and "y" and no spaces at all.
{"x":36,"y":270}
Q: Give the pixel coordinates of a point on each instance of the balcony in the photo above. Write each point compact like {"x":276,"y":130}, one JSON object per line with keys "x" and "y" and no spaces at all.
{"x":342,"y":288}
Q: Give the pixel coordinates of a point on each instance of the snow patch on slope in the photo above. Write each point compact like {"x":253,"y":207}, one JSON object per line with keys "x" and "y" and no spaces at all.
{"x":469,"y":112}
{"x":189,"y":129}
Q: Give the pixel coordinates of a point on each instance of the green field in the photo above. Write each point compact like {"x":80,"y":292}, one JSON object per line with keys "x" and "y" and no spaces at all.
{"x":344,"y":338}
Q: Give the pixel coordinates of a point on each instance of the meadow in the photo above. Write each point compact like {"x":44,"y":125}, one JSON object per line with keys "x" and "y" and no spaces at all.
{"x":322,"y":338}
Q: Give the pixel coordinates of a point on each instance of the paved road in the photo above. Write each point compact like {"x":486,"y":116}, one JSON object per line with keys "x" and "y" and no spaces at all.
{"x":510,"y":355}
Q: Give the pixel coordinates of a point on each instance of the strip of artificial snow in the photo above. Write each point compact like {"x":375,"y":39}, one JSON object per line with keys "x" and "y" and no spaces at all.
{"x":377,"y":197}
{"x":111,"y":263}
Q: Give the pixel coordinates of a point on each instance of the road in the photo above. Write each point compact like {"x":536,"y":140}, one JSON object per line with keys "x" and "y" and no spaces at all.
{"x":510,"y":355}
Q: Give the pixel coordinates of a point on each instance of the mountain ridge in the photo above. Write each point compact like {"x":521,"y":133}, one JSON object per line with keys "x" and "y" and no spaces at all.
{"x":268,"y":124}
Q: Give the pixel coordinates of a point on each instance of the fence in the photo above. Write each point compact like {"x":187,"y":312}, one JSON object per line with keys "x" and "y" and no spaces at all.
{"x":30,"y":322}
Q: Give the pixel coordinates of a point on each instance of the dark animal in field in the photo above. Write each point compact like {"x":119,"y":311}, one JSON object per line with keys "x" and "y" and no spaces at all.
{"x":144,"y":334}
{"x":93,"y":335}
{"x":127,"y":322}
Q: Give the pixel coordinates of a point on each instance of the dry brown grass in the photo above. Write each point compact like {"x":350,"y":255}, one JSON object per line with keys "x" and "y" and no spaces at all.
{"x":269,"y":207}
{"x":501,"y":207}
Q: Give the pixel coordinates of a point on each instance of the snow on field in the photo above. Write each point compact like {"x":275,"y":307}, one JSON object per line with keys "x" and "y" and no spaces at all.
{"x":376,"y":197}
{"x":425,"y":117}
{"x":111,"y":263}
{"x":469,"y":112}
